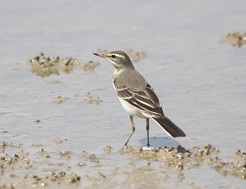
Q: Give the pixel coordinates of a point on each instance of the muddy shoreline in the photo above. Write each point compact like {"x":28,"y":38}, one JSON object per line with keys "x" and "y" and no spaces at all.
{"x":20,"y":169}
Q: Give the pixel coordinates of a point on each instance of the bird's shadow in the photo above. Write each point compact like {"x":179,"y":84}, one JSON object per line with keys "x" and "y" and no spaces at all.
{"x":160,"y":142}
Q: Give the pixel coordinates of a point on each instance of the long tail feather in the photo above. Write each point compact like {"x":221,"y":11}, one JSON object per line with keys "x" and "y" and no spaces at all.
{"x":169,"y":127}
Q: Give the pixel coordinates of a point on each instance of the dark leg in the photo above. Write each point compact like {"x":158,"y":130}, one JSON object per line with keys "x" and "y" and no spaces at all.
{"x":147,"y":129}
{"x":133,"y":129}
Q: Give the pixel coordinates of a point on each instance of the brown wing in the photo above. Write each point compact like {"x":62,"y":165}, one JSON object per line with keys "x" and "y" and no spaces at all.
{"x":145,"y":99}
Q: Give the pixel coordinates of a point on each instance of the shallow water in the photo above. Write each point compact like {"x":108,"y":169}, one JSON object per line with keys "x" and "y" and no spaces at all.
{"x":200,"y":83}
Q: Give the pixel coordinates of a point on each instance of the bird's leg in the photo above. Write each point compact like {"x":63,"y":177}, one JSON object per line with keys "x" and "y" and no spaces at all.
{"x":147,"y":129}
{"x":133,"y":129}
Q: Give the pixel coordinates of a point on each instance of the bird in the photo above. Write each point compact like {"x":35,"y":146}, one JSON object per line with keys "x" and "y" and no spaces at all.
{"x":137,"y":96}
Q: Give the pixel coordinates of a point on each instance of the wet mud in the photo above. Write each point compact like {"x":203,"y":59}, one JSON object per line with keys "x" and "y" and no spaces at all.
{"x":143,"y":167}
{"x":46,"y":65}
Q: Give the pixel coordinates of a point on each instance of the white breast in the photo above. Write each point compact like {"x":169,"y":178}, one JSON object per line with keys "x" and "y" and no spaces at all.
{"x":132,"y":110}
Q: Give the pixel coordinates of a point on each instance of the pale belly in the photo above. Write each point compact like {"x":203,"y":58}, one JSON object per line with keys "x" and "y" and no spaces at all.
{"x":133,"y":111}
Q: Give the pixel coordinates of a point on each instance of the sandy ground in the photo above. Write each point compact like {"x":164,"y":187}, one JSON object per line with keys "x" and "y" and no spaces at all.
{"x":66,"y":129}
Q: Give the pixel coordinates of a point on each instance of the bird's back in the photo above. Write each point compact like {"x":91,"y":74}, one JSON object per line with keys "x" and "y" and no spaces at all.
{"x":130,"y":78}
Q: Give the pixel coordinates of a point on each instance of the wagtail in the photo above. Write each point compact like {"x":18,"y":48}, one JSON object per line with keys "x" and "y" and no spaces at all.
{"x":136,"y":95}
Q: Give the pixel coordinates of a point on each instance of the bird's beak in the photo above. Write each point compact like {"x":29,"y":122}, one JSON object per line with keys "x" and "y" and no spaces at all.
{"x":100,"y":54}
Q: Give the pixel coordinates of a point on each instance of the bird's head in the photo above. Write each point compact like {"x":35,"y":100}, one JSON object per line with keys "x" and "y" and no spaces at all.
{"x":118,"y":59}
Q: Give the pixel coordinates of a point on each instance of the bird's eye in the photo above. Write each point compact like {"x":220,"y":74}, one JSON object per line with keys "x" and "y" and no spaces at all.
{"x":113,"y":56}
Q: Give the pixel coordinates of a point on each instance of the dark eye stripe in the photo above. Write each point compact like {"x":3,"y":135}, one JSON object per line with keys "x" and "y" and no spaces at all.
{"x":113,"y":56}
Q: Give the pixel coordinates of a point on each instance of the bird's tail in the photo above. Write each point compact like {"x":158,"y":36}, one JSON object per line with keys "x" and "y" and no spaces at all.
{"x":169,"y":127}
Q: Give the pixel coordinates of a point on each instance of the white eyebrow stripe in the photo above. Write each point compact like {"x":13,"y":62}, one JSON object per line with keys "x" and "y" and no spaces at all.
{"x":120,"y":56}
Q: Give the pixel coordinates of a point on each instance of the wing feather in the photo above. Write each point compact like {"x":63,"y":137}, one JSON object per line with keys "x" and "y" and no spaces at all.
{"x":145,"y":99}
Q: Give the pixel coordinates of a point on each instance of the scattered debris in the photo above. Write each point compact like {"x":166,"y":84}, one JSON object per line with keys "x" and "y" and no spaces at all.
{"x":90,"y":66}
{"x":196,"y":156}
{"x":235,"y":39}
{"x":3,"y":95}
{"x":108,"y":148}
{"x":60,"y":99}
{"x":93,"y":158}
{"x":91,"y":100}
{"x":25,"y":170}
{"x":65,"y":154}
{"x":81,"y":164}
{"x":46,"y":65}
{"x":59,"y":140}
{"x":37,"y":121}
